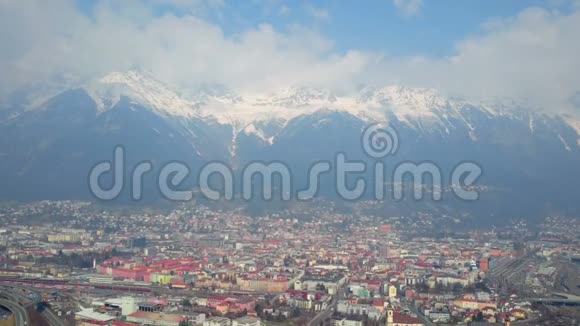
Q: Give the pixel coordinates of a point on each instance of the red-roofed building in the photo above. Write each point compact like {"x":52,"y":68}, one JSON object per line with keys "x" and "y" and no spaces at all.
{"x":396,"y":318}
{"x":155,"y":318}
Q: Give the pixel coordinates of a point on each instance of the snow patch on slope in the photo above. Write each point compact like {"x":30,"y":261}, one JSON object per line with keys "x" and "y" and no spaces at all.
{"x":252,"y":130}
{"x":420,"y":108}
{"x":566,"y":146}
{"x":140,"y":88}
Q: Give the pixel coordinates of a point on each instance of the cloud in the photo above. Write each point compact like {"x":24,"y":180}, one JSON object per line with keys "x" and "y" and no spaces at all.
{"x":532,"y":56}
{"x":317,"y":13}
{"x":47,"y":38}
{"x":408,"y":7}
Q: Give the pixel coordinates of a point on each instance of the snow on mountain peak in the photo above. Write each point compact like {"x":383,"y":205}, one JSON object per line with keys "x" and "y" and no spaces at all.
{"x":403,"y":100}
{"x":141,"y":88}
{"x":299,"y":96}
{"x":419,"y":107}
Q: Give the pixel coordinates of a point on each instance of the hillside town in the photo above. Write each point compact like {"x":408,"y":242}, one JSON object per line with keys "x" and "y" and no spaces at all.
{"x":71,"y":263}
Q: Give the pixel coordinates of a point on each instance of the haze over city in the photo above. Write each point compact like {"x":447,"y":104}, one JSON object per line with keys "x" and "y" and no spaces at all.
{"x":272,"y":162}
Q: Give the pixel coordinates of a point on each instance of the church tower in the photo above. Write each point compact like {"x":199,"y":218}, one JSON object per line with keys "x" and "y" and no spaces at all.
{"x":389,"y":315}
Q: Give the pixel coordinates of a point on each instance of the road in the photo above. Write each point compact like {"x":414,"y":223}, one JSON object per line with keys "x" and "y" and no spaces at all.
{"x":320,"y":317}
{"x":50,"y":316}
{"x":558,"y":299}
{"x":15,"y":295}
{"x":52,"y":319}
{"x":11,"y":302}
{"x":325,"y":314}
{"x":425,"y":320}
{"x":20,"y":314}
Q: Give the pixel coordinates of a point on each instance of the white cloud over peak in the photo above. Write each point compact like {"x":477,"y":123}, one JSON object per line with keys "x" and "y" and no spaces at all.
{"x":533,"y":55}
{"x":45,"y":38}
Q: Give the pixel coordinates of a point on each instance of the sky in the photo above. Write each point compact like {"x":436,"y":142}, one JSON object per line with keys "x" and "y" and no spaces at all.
{"x":527,"y":50}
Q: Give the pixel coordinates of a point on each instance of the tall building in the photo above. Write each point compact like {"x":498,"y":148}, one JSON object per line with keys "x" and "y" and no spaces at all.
{"x":128,"y":305}
{"x":483,"y":264}
{"x":392,"y":291}
{"x":137,"y":242}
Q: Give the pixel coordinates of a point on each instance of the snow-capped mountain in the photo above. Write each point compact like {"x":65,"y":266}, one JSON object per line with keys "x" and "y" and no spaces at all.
{"x":48,"y":146}
{"x":417,"y":107}
{"x":141,"y":88}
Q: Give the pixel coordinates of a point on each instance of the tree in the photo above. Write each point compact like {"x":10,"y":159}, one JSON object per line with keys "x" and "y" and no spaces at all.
{"x":296,"y":312}
{"x":259,"y":309}
{"x":457,"y":288}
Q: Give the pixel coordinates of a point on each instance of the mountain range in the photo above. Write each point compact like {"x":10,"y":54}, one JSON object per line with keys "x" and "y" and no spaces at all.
{"x":52,"y":134}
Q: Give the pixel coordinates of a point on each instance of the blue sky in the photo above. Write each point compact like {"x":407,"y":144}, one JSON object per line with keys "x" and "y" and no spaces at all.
{"x":479,"y":48}
{"x":379,"y":25}
{"x":432,"y":28}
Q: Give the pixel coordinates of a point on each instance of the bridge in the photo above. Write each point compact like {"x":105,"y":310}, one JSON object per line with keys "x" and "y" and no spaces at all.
{"x":63,"y":284}
{"x":20,"y":314}
{"x":20,"y":302}
{"x":558,"y":298}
